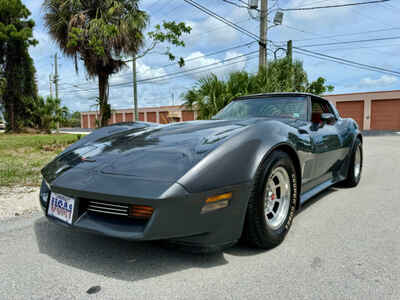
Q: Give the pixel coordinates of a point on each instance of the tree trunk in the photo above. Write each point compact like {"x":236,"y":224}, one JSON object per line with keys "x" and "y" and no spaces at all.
{"x":11,"y":126}
{"x":103,"y":99}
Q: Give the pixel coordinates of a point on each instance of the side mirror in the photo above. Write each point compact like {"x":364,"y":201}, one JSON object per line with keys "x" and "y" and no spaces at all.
{"x":328,"y":118}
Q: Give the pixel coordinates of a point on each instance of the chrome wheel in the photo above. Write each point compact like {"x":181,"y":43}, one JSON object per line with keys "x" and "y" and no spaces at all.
{"x":277,"y":198}
{"x":357,"y":162}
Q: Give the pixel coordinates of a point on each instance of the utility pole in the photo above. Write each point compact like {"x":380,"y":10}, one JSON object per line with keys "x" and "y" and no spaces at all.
{"x":51,"y":86}
{"x":262,"y":62}
{"x":56,"y":74}
{"x":56,"y":84}
{"x":290,"y":58}
{"x":290,"y":51}
{"x":135,"y":98}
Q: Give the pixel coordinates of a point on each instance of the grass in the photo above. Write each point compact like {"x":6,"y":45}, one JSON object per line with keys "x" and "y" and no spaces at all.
{"x":22,"y":156}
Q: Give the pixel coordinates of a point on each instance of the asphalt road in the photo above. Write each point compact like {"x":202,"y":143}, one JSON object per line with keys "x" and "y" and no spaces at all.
{"x":345,"y":244}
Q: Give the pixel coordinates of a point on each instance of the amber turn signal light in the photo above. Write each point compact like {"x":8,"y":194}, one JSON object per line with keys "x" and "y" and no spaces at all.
{"x":216,"y":202}
{"x":141,"y":211}
{"x":219,"y":198}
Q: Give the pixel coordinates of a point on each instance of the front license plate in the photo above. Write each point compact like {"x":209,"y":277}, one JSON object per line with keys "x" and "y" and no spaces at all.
{"x":61,"y":207}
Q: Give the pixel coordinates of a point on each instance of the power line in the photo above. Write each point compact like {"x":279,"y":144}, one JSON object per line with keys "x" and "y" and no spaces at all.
{"x":333,"y":6}
{"x":342,"y":63}
{"x":186,"y":72}
{"x":350,"y":62}
{"x":317,"y":34}
{"x":349,"y":34}
{"x":352,"y":42}
{"x":173,"y":77}
{"x":191,"y":59}
{"x":248,"y":58}
{"x":222,"y":19}
{"x":360,"y":47}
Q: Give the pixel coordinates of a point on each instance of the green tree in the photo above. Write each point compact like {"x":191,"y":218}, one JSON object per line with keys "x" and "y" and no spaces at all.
{"x":17,"y":71}
{"x":211,"y":94}
{"x":46,"y":113}
{"x":72,"y":120}
{"x":101,"y":33}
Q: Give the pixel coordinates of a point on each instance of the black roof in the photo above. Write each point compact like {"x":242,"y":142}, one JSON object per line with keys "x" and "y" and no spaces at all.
{"x":285,"y":94}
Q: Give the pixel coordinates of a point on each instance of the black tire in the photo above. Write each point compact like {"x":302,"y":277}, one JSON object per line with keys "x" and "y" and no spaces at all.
{"x":352,"y":179}
{"x":257,"y":231}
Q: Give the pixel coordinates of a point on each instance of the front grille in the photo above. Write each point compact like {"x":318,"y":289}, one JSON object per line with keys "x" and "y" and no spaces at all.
{"x":108,"y":208}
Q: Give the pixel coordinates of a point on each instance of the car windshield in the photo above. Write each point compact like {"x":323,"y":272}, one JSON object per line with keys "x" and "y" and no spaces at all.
{"x":275,"y":107}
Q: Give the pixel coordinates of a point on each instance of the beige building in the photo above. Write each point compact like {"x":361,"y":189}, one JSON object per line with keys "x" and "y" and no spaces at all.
{"x":371,"y":110}
{"x":162,"y":115}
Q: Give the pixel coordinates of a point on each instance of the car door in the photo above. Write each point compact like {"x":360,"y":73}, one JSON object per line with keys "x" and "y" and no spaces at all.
{"x":326,"y":141}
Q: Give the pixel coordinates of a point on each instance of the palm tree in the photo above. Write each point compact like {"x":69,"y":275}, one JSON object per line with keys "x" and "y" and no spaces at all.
{"x":211,"y":94}
{"x":98,"y":32}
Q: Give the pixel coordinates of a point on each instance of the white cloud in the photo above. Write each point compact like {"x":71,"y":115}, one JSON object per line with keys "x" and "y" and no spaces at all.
{"x":317,"y":21}
{"x":211,"y":32}
{"x":143,"y":72}
{"x":212,"y":65}
{"x":384,"y":80}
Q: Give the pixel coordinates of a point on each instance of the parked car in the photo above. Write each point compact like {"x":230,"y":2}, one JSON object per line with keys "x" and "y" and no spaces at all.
{"x":206,"y":183}
{"x":2,"y":125}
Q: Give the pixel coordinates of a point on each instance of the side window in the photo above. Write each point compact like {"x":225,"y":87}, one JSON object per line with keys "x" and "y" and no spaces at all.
{"x":317,"y":110}
{"x":319,"y":107}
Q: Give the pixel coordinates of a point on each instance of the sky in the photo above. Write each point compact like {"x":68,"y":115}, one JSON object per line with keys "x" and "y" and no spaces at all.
{"x":310,"y":30}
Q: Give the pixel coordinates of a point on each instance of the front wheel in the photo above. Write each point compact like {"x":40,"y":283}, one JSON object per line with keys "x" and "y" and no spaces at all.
{"x":355,"y":168}
{"x":272,"y":203}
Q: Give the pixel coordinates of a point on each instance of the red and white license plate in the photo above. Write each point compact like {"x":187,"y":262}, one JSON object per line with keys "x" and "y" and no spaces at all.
{"x":61,"y":207}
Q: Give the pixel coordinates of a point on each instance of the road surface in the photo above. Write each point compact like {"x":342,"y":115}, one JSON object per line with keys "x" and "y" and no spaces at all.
{"x":345,"y":244}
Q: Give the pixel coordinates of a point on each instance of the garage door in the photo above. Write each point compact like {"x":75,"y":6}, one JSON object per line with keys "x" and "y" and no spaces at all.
{"x":92,"y":121}
{"x":352,"y":109}
{"x":129,"y":117}
{"x":152,"y":117}
{"x":164,"y":117}
{"x":119,"y":117}
{"x":85,"y":121}
{"x":385,"y":114}
{"x":187,"y":116}
{"x":141,"y":116}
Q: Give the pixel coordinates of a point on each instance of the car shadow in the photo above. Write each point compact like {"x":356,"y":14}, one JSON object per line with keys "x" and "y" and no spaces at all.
{"x":115,"y":258}
{"x":317,"y":198}
{"x":131,"y":261}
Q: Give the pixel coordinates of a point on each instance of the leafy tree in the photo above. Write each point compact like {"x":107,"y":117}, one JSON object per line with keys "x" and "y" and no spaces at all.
{"x":100,"y":33}
{"x":46,"y":113}
{"x":17,"y":72}
{"x":211,"y":94}
{"x":72,"y":120}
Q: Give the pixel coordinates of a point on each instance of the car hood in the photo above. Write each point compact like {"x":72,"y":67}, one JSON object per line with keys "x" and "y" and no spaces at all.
{"x":159,"y":153}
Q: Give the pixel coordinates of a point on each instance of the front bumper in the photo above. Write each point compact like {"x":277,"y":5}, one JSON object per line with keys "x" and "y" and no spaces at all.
{"x":176,"y":215}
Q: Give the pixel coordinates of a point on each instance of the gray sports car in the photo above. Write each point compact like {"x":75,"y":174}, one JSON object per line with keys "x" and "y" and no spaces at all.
{"x":206,"y":183}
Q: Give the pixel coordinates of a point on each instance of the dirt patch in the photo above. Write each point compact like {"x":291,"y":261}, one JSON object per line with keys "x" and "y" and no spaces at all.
{"x":17,"y":201}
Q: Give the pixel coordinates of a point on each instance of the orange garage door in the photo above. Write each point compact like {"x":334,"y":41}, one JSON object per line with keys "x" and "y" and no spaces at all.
{"x":352,"y":109}
{"x":129,"y":117}
{"x":187,"y":116}
{"x":385,"y":114}
{"x":152,"y":117}
{"x":118,"y":117}
{"x":85,"y":121}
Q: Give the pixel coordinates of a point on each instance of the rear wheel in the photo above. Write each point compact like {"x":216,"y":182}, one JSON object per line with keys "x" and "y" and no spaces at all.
{"x":272,"y":203}
{"x":355,"y":168}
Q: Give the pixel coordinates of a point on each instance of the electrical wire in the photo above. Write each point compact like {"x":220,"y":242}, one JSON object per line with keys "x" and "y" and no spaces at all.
{"x":191,"y":59}
{"x":349,"y":34}
{"x":186,"y":72}
{"x":349,"y":62}
{"x":222,"y":19}
{"x":351,"y":42}
{"x":333,"y":6}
